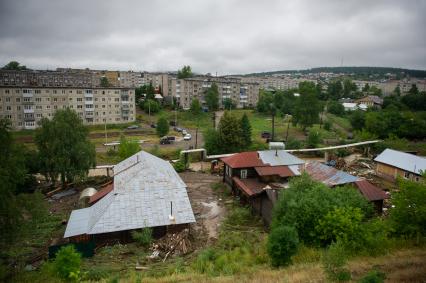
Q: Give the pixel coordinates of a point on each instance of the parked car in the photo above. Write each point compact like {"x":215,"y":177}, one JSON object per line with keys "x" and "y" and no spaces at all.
{"x":177,"y":129}
{"x":266,"y":135}
{"x":165,"y":140}
{"x":184,"y":132}
{"x":132,"y":127}
{"x":187,"y":137}
{"x":171,"y":138}
{"x":153,"y":126}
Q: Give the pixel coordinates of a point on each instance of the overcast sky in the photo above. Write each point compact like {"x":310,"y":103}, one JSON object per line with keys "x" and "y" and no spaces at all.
{"x":223,"y":36}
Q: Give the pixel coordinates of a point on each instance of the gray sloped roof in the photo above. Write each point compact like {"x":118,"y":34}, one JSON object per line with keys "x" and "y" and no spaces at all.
{"x":279,"y":158}
{"x":328,"y":175}
{"x":144,"y":187}
{"x":405,"y":161}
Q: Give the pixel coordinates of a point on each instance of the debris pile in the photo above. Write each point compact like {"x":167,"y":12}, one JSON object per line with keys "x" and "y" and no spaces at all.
{"x":362,"y":168}
{"x":172,"y":244}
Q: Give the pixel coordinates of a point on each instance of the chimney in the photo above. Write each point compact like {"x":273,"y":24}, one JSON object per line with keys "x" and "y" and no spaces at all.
{"x":171,"y":217}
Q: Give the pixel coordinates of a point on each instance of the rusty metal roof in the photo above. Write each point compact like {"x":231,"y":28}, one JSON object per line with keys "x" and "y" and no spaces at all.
{"x":369,"y":191}
{"x":103,"y":192}
{"x":250,"y":187}
{"x":328,"y":175}
{"x":243,"y":160}
{"x":282,"y":171}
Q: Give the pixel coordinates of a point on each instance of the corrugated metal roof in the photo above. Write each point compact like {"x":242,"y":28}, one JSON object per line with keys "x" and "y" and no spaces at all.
{"x":328,"y":175}
{"x":405,"y":161}
{"x":282,"y":171}
{"x":279,"y":157}
{"x":250,"y":187}
{"x":144,"y":186}
{"x":243,"y":160}
{"x":103,"y":192}
{"x":369,"y":191}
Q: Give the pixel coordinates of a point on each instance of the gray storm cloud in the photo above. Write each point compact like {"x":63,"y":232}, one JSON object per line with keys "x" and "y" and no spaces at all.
{"x":224,"y":36}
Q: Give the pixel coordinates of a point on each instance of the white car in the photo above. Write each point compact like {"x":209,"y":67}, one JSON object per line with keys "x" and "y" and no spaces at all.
{"x":187,"y":137}
{"x":184,"y":132}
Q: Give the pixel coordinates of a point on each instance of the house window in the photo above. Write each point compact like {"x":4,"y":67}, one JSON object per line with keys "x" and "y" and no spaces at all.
{"x":406,"y":175}
{"x":243,"y":174}
{"x":229,"y":171}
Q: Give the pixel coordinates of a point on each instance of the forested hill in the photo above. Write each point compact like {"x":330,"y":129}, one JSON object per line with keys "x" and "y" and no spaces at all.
{"x":357,"y":71}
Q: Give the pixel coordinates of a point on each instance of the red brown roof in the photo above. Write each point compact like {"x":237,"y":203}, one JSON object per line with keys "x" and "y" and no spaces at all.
{"x":103,"y":192}
{"x":282,"y":171}
{"x":250,"y":187}
{"x":369,"y":191}
{"x":243,"y":160}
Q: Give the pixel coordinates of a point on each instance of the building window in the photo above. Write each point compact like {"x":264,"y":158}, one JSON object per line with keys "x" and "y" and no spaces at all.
{"x":406,"y":175}
{"x":18,"y":99}
{"x":243,"y":174}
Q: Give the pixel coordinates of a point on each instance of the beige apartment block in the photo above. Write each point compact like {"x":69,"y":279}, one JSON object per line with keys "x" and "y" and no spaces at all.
{"x":185,"y":90}
{"x":276,"y":83}
{"x":26,"y":106}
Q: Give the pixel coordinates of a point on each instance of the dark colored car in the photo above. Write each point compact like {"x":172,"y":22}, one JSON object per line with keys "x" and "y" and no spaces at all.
{"x":266,"y":135}
{"x":177,"y":129}
{"x":153,"y":126}
{"x":171,"y":138}
{"x":165,"y":140}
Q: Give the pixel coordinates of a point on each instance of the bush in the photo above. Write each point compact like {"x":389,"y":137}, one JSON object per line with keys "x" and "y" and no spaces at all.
{"x":373,"y":276}
{"x":239,"y":216}
{"x":339,"y":224}
{"x":283,"y":242}
{"x":162,"y":127}
{"x":151,"y":106}
{"x":293,"y":144}
{"x":334,"y":261}
{"x":314,"y":138}
{"x":327,"y":125}
{"x":143,"y":236}
{"x":306,"y":201}
{"x":179,"y":166}
{"x":67,"y":263}
{"x":95,"y":274}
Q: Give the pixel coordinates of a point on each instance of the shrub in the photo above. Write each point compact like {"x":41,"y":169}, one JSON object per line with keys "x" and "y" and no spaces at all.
{"x":293,"y":144}
{"x":179,"y":166}
{"x":334,"y":261}
{"x":95,"y":274}
{"x":327,"y":125}
{"x":67,"y":263}
{"x":143,"y":236}
{"x":340,"y":223}
{"x":239,"y":216}
{"x":162,"y":127}
{"x":314,"y":138}
{"x":306,"y":201}
{"x":283,"y":242}
{"x":151,"y":106}
{"x":373,"y":276}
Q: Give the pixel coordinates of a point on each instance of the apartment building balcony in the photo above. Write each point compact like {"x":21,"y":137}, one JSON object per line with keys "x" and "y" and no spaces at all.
{"x":29,"y":110}
{"x":28,"y":94}
{"x":125,"y":107}
{"x":89,"y":114}
{"x":226,"y":96}
{"x":88,"y":109}
{"x":125,"y":113}
{"x":27,"y":102}
{"x":125,"y":102}
{"x":87,"y":102}
{"x":86,"y":94}
{"x":29,"y":117}
{"x":30,"y":125}
{"x":207,"y":85}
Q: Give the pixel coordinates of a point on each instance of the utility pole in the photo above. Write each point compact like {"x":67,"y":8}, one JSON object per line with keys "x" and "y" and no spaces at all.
{"x":288,"y":126}
{"x":272,"y":107}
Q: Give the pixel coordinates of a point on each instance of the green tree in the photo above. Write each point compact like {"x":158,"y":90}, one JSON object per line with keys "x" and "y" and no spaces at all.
{"x":307,"y":106}
{"x":245,"y":131}
{"x":266,"y":99}
{"x":127,"y":148}
{"x":211,"y":142}
{"x":228,"y":104}
{"x":104,"y":82}
{"x":162,"y":127}
{"x":335,"y":90}
{"x":305,"y":202}
{"x":185,"y":72}
{"x":357,"y":119}
{"x":314,"y":138}
{"x":195,"y":107}
{"x":12,"y":175}
{"x":341,"y":223}
{"x":64,"y":147}
{"x":336,"y":108}
{"x":409,"y":214}
{"x":413,"y":90}
{"x":230,"y":134}
{"x":67,"y":263}
{"x":366,"y":88}
{"x":14,"y":65}
{"x":211,"y":97}
{"x":151,"y":106}
{"x":283,"y":243}
{"x":397,"y":91}
{"x":348,"y":87}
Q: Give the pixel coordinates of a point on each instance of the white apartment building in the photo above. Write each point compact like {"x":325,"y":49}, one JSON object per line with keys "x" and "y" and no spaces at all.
{"x":26,"y":106}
